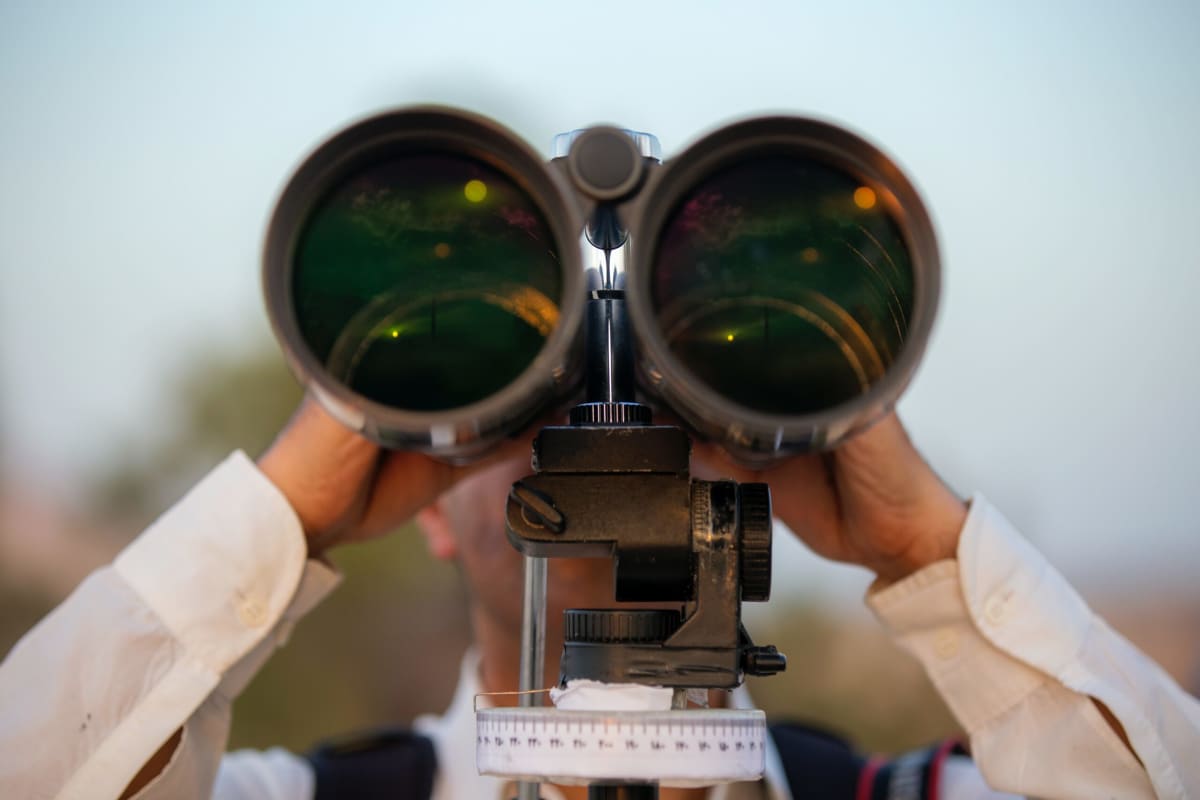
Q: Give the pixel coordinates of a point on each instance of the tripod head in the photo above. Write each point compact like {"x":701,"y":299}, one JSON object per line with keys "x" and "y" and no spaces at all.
{"x":624,"y":492}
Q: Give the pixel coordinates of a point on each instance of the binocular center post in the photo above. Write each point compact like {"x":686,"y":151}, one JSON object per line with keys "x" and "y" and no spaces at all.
{"x":610,"y":399}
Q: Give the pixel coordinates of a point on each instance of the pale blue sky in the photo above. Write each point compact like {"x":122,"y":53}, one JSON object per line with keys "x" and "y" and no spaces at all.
{"x":141,"y":147}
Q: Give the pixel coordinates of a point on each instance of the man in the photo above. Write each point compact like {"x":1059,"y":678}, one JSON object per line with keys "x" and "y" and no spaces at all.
{"x":125,"y":689}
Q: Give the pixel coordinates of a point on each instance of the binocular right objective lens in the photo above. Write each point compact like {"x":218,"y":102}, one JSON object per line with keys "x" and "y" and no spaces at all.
{"x":785,"y":287}
{"x":783,"y":284}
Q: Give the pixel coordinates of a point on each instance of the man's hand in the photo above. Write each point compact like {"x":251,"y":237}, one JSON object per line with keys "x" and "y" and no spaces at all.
{"x":346,"y":488}
{"x":872,"y":501}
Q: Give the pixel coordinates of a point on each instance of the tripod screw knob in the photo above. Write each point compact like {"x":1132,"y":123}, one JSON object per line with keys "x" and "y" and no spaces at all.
{"x":763,"y":661}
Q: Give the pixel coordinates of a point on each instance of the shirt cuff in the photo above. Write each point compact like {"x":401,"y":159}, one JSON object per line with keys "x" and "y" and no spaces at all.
{"x":226,"y":568}
{"x":1014,"y":597}
{"x":927,"y":614}
{"x":991,"y":627}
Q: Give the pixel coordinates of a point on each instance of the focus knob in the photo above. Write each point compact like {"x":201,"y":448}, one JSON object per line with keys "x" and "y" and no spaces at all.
{"x":610,"y":414}
{"x":605,"y":163}
{"x":623,"y":626}
{"x":756,"y":542}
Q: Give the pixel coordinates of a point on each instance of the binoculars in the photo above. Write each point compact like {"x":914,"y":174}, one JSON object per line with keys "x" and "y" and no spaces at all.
{"x":428,"y":274}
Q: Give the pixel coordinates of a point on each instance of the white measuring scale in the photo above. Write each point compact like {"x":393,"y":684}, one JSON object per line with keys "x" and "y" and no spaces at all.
{"x":612,"y":733}
{"x":671,"y":748}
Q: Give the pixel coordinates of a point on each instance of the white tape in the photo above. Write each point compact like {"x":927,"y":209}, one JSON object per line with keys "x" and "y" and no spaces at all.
{"x":582,"y":694}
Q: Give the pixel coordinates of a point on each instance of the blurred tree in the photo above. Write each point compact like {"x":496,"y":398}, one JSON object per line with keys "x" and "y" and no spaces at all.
{"x":224,"y":401}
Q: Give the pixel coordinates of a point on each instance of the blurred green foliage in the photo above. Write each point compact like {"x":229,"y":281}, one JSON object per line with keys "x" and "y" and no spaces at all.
{"x":222,"y":402}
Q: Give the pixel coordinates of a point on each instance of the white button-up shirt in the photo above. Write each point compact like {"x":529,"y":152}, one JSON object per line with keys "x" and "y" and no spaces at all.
{"x":167,"y":636}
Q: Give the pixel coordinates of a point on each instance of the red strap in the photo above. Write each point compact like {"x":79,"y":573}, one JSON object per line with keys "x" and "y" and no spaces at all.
{"x":866,"y":778}
{"x":936,"y":764}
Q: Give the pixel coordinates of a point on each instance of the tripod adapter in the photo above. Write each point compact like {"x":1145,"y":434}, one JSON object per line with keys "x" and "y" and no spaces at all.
{"x":624,"y":492}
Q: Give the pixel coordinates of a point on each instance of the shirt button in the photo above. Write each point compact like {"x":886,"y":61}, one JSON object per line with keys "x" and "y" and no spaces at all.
{"x":945,"y":644}
{"x":252,"y":613}
{"x":995,"y":610}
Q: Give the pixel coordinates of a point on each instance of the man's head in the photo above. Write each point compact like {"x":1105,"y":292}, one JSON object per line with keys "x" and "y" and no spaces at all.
{"x":466,"y":525}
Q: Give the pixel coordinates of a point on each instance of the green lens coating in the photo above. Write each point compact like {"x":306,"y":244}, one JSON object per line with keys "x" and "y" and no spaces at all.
{"x":426,"y":281}
{"x":783,"y":284}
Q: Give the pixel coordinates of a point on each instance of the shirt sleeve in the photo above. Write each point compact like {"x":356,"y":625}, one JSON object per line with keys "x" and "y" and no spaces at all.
{"x":1019,"y":657}
{"x":160,"y":641}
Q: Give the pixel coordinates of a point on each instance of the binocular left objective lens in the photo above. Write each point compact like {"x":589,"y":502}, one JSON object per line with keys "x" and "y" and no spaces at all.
{"x":414,"y":274}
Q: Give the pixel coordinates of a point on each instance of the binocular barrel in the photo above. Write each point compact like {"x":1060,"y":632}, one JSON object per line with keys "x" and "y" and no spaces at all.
{"x":424,"y":273}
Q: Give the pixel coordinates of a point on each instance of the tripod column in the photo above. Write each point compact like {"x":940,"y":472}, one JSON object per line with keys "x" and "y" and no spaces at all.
{"x":533,"y":647}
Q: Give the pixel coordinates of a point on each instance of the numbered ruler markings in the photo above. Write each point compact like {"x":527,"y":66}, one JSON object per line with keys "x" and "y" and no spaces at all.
{"x":722,"y":745}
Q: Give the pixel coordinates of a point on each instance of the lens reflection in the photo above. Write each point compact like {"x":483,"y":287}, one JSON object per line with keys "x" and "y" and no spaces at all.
{"x":426,"y":282}
{"x":783,"y":284}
